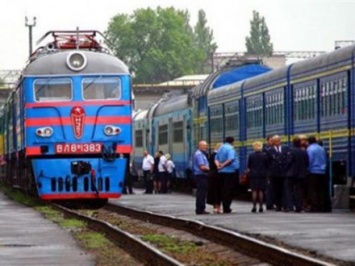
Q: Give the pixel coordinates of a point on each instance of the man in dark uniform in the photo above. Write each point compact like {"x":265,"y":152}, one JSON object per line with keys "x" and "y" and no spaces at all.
{"x":278,"y":162}
{"x":296,"y":174}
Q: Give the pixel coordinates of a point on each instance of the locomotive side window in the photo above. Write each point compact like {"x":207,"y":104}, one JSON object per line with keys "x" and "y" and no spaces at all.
{"x":101,"y":88}
{"x":53,"y":89}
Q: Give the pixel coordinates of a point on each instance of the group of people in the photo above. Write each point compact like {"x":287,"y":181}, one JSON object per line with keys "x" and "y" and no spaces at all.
{"x":293,"y":178}
{"x":158,"y":172}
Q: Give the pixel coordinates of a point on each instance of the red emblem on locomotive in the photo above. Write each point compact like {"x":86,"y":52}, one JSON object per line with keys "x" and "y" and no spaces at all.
{"x":77,"y":115}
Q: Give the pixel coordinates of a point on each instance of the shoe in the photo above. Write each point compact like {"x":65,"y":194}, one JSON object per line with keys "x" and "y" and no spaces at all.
{"x":253,"y":209}
{"x":204,"y":212}
{"x":227,"y":211}
{"x":261,"y":209}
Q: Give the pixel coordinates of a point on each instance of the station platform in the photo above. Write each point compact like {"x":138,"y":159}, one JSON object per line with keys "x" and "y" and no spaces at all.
{"x":27,"y":238}
{"x":328,"y":234}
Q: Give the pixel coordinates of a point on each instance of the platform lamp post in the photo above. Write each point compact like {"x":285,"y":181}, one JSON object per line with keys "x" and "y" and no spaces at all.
{"x":30,"y":25}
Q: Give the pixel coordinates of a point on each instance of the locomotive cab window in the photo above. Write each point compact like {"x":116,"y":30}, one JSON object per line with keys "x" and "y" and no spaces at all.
{"x":53,"y":89}
{"x":101,"y":88}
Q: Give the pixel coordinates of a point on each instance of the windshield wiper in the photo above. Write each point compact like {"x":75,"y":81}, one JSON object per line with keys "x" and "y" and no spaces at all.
{"x":91,"y":82}
{"x":42,"y":87}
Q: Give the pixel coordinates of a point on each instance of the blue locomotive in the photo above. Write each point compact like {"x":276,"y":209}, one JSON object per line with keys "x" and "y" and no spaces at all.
{"x":68,"y":123}
{"x":312,"y":97}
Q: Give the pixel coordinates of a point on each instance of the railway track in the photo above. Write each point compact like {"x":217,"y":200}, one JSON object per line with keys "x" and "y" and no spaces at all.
{"x":105,"y":222}
{"x":131,"y":244}
{"x":235,"y":248}
{"x":249,"y":251}
{"x":248,"y":246}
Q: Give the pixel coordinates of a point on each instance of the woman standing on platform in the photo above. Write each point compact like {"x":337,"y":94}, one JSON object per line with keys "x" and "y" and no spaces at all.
{"x":257,"y":173}
{"x":214,"y":197}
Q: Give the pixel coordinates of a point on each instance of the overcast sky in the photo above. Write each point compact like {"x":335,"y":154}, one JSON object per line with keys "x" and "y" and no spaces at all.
{"x":302,"y":25}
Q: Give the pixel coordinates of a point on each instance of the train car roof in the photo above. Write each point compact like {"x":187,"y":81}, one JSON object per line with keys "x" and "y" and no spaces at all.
{"x":172,"y":104}
{"x":240,"y":73}
{"x":140,"y":115}
{"x":332,"y":58}
{"x":224,"y":93}
{"x":271,"y":77}
{"x":55,"y":63}
{"x":202,"y":89}
{"x":229,"y":75}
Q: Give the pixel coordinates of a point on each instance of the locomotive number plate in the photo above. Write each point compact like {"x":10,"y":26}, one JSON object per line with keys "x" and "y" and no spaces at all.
{"x":78,"y":148}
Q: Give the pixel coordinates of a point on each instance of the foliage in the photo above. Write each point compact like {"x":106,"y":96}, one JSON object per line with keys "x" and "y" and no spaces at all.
{"x":259,"y":41}
{"x":158,"y":45}
{"x":93,"y":240}
{"x":204,"y":41}
{"x":170,"y":244}
{"x":72,"y":223}
{"x":2,"y":82}
{"x":20,"y":197}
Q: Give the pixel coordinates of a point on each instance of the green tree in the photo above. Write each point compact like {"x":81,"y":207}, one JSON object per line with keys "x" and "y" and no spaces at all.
{"x":204,"y":41}
{"x":158,"y":45}
{"x":259,"y":41}
{"x":2,"y":82}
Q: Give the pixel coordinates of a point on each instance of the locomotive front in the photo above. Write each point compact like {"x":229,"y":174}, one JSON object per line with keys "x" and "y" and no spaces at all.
{"x":77,"y":123}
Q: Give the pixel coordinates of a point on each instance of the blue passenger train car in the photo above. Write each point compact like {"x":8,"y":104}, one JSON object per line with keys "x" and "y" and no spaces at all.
{"x":68,"y":123}
{"x":165,"y":127}
{"x":311,"y":97}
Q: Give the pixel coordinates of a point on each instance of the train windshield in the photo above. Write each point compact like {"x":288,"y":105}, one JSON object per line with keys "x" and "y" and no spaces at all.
{"x":101,"y":88}
{"x":53,"y":89}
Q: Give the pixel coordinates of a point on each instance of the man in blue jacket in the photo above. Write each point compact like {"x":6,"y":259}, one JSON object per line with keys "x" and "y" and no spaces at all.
{"x":318,"y":181}
{"x":228,"y":169}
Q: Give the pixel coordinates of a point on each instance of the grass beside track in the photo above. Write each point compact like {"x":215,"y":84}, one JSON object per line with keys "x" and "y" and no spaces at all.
{"x":104,"y":251}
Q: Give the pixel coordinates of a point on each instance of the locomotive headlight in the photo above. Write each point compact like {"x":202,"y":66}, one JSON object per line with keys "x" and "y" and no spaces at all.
{"x":44,"y":132}
{"x":112,"y":130}
{"x":76,"y":61}
{"x":108,"y":130}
